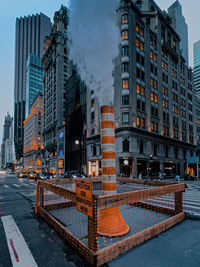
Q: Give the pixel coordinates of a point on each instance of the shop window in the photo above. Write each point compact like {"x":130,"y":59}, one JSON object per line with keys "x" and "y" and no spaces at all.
{"x":125,"y":145}
{"x":141,"y":148}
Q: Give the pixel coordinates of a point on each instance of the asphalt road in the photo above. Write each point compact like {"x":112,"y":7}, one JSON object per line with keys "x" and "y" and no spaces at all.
{"x":179,"y":246}
{"x":17,"y":198}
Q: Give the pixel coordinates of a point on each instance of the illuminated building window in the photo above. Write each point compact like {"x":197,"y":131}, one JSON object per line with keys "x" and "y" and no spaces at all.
{"x":143,"y":123}
{"x":151,"y":54}
{"x":142,"y":91}
{"x":155,"y":57}
{"x":163,"y":64}
{"x":156,"y":98}
{"x":175,"y":75}
{"x":173,"y":108}
{"x":166,"y":67}
{"x":142,"y":32}
{"x":138,"y":121}
{"x":137,"y":28}
{"x":152,"y":97}
{"x":125,"y":19}
{"x":125,"y":84}
{"x":138,"y":89}
{"x":163,"y":90}
{"x":151,"y":40}
{"x":137,"y":43}
{"x":156,"y":127}
{"x":155,"y":84}
{"x":167,"y":104}
{"x":125,"y":35}
{"x":142,"y":46}
{"x":152,"y":126}
{"x":163,"y":103}
{"x":152,"y":82}
{"x":92,"y":102}
{"x":166,"y":92}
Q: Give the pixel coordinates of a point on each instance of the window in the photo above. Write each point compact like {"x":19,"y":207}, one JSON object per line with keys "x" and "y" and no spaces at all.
{"x":125,"y":84}
{"x":94,"y":150}
{"x":142,"y":46}
{"x":125,"y":35}
{"x":92,"y":102}
{"x":138,"y":121}
{"x":125,"y":67}
{"x":138,"y":89}
{"x":156,"y":127}
{"x":152,"y":126}
{"x":156,"y":98}
{"x":125,"y":117}
{"x":92,"y":116}
{"x":141,"y":148}
{"x":138,"y":104}
{"x":143,"y":123}
{"x":125,"y":100}
{"x":137,"y":28}
{"x":125,"y":145}
{"x":142,"y":32}
{"x":142,"y":91}
{"x":155,"y":57}
{"x":151,"y":54}
{"x":125,"y":19}
{"x":137,"y":43}
{"x":142,"y":61}
{"x":155,"y":150}
{"x":125,"y":51}
{"x":138,"y":57}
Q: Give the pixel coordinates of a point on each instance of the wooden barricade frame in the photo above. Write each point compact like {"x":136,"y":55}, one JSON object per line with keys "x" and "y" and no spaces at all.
{"x":91,"y":253}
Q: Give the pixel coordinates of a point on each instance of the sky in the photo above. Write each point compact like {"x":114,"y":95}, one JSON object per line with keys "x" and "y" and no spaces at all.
{"x":11,"y":9}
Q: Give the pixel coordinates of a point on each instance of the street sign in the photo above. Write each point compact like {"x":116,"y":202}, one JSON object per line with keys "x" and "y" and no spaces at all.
{"x":192,"y":160}
{"x":84,"y":197}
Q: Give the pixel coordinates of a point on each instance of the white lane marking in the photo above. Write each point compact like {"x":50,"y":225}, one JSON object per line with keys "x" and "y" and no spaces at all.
{"x":19,"y":252}
{"x":25,"y":184}
{"x":6,"y":186}
{"x":16,"y":185}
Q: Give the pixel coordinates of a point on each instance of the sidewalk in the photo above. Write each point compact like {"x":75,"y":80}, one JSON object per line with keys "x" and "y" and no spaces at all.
{"x":177,"y":247}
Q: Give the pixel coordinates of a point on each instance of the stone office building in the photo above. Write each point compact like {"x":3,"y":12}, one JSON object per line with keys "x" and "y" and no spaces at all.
{"x":154,"y":97}
{"x":56,"y":72}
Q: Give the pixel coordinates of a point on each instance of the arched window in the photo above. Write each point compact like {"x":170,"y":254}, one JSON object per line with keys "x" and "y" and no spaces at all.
{"x":125,"y":145}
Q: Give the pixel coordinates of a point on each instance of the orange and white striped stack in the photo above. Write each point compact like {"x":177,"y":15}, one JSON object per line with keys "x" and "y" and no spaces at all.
{"x":110,"y":220}
{"x":108,"y":150}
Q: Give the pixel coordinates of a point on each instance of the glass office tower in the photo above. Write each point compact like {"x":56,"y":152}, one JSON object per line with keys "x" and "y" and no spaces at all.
{"x":34,"y":80}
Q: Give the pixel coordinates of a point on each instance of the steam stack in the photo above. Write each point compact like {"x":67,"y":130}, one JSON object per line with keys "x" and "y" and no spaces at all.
{"x":110,"y":220}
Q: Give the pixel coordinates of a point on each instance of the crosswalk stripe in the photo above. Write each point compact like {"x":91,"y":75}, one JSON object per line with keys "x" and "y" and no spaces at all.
{"x":16,"y":185}
{"x":6,"y":186}
{"x":25,"y":184}
{"x":19,"y":251}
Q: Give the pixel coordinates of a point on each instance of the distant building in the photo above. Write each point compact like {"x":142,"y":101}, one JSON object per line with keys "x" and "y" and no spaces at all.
{"x":56,"y":73}
{"x":34,"y":80}
{"x":180,"y":26}
{"x":33,"y":144}
{"x":196,"y":54}
{"x":7,"y":147}
{"x":154,"y":98}
{"x":29,"y":39}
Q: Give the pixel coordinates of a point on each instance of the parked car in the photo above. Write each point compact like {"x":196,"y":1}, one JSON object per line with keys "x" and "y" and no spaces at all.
{"x":74,"y":174}
{"x":41,"y":176}
{"x":31,"y":175}
{"x":21,"y":175}
{"x":190,"y":177}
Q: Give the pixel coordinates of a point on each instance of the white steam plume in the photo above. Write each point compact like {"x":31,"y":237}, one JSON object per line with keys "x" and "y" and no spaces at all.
{"x":94,"y":44}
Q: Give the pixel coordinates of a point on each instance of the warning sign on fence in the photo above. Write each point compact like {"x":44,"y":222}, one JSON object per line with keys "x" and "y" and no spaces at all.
{"x":84,"y":197}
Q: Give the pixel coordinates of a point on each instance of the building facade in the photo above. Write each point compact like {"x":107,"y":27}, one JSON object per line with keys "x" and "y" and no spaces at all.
{"x":76,"y":121}
{"x":196,"y":54}
{"x":180,"y":26}
{"x":33,"y":144}
{"x":29,"y":36}
{"x":34,"y":80}
{"x":154,"y":97}
{"x":7,"y":147}
{"x":56,"y":73}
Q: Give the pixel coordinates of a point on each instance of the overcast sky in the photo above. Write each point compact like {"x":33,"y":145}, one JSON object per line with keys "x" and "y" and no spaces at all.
{"x":10,"y":9}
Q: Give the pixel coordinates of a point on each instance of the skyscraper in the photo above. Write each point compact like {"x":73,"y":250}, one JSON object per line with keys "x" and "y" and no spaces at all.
{"x":196,"y":51}
{"x":180,"y":26}
{"x":34,"y":80}
{"x":30,"y":35}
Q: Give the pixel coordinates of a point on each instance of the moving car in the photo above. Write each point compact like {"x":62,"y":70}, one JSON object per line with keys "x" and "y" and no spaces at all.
{"x":31,"y":175}
{"x":41,"y":176}
{"x":21,"y":175}
{"x":74,"y":174}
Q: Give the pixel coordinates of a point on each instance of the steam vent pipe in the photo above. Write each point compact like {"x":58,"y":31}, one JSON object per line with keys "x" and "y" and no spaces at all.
{"x":110,"y":220}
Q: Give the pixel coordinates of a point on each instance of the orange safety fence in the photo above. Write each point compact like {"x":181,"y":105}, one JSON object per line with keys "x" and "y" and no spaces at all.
{"x":147,"y":207}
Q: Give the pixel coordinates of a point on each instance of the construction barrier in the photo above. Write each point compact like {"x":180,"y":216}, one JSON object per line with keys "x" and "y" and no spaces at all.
{"x":147,"y":207}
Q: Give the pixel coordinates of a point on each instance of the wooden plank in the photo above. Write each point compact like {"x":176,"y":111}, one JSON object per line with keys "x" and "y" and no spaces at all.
{"x":109,"y":201}
{"x":58,"y":190}
{"x":72,"y":240}
{"x":128,"y":243}
{"x":59,"y":205}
